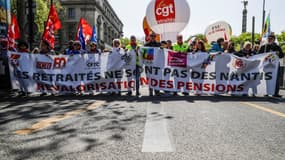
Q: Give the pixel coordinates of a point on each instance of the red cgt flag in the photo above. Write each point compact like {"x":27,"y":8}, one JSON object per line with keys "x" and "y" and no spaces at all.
{"x":86,"y":27}
{"x":13,"y":31}
{"x":52,"y":24}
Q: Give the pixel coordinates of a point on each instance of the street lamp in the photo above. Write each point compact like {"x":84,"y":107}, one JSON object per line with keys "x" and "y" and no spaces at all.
{"x":263,"y":15}
{"x":31,"y":6}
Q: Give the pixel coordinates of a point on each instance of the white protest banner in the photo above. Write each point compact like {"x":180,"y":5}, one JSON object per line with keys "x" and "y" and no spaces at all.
{"x":163,"y":70}
{"x":209,"y":73}
{"x":110,"y":71}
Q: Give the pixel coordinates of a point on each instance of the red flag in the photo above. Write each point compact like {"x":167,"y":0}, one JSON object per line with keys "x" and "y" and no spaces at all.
{"x":52,"y":24}
{"x":86,"y":27}
{"x":13,"y":31}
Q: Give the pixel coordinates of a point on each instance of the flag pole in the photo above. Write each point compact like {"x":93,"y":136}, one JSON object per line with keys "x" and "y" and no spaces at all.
{"x":253,"y":30}
{"x":263,"y":16}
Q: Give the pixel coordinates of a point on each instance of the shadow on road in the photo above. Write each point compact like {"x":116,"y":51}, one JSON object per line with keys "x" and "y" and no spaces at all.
{"x":79,"y":134}
{"x":154,"y":99}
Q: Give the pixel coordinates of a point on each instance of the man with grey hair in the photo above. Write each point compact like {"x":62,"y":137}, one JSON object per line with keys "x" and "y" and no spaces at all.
{"x":271,"y":46}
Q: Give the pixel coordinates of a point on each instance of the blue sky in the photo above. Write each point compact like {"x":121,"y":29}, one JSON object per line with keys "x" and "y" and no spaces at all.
{"x":203,"y":12}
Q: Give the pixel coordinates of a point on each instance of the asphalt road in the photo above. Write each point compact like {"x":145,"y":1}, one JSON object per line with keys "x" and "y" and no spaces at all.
{"x":158,"y":128}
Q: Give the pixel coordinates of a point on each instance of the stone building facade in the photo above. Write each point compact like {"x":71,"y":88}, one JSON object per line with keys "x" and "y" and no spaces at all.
{"x":96,"y":12}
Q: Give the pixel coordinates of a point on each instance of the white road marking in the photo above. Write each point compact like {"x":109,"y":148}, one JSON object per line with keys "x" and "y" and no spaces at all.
{"x":156,"y":135}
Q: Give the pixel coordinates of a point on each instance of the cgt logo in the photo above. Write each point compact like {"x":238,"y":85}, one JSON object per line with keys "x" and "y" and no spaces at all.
{"x":238,"y":63}
{"x":164,"y":11}
{"x":59,"y":62}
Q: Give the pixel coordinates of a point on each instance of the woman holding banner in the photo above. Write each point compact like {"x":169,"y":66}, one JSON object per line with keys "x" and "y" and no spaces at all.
{"x":200,"y":47}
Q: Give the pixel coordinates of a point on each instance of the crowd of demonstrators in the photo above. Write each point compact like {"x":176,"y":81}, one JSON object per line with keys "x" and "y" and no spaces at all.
{"x":198,"y":45}
{"x":246,"y":51}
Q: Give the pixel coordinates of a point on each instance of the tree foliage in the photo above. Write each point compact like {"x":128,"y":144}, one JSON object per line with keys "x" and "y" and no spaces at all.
{"x":41,"y":14}
{"x":125,"y":41}
{"x":281,"y":40}
{"x":245,"y":37}
{"x":14,"y":6}
{"x":198,"y":36}
{"x":281,"y":37}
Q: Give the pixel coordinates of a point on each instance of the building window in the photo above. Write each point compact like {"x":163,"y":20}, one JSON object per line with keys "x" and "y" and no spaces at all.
{"x":71,"y":13}
{"x":70,"y":31}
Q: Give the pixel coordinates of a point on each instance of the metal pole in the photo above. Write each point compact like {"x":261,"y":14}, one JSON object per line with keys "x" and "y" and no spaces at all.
{"x":253,"y":30}
{"x":31,"y":22}
{"x":263,"y":15}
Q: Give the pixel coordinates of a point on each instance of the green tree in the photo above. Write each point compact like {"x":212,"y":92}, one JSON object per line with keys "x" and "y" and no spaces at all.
{"x":239,"y":40}
{"x":125,"y":41}
{"x":14,"y":6}
{"x":41,"y":14}
{"x":281,"y":37}
{"x":198,"y":36}
{"x":281,"y":40}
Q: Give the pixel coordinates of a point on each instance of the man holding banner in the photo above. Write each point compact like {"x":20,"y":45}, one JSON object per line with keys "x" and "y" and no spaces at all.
{"x":271,"y":46}
{"x":181,"y":47}
{"x":134,"y":46}
{"x":153,"y":43}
